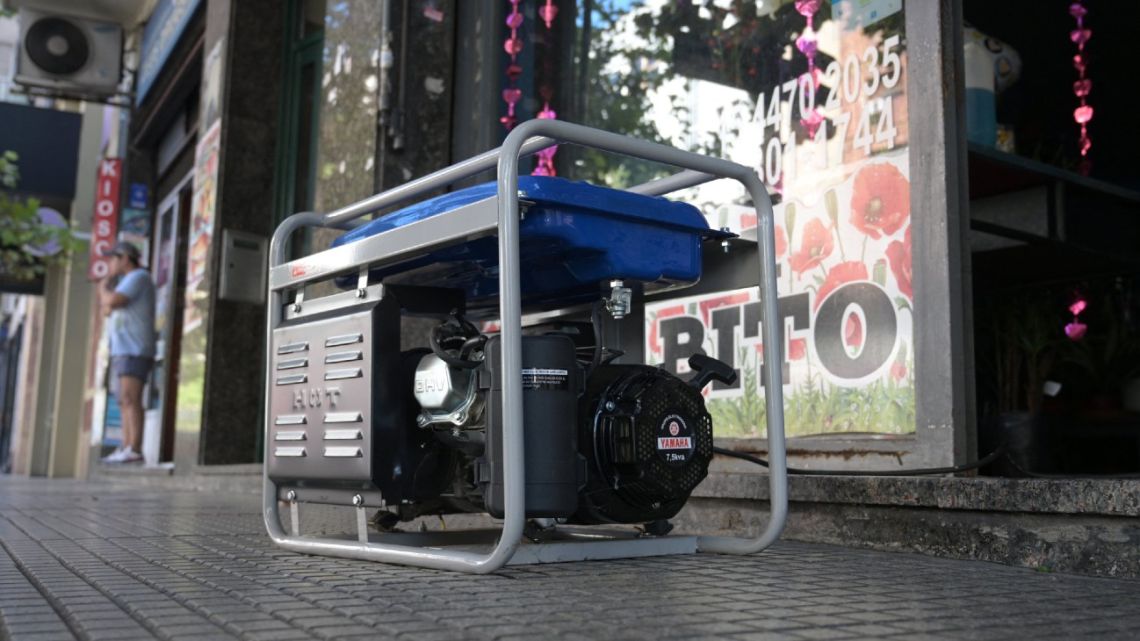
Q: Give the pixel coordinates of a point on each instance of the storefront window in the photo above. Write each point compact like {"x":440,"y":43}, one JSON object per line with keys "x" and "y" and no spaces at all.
{"x":821,"y":115}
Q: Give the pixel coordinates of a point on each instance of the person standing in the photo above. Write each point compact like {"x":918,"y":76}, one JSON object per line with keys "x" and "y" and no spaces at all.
{"x":127,"y":297}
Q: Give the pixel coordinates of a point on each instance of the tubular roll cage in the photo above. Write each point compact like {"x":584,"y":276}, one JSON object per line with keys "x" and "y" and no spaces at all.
{"x":525,"y":139}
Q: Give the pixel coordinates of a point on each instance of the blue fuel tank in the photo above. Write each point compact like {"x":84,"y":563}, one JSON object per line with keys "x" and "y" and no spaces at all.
{"x":574,"y":239}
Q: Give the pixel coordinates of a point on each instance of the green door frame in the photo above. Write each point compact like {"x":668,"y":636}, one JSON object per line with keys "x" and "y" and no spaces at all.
{"x":299,"y":53}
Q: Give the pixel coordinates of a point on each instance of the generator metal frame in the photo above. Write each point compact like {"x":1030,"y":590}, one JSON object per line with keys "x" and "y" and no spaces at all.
{"x":421,"y":237}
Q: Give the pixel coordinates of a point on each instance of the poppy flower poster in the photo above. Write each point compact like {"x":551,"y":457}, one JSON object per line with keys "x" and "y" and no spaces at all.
{"x":839,"y":172}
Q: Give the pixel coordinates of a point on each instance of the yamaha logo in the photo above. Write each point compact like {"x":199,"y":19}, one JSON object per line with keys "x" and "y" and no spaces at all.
{"x":675,"y":443}
{"x":674,"y":440}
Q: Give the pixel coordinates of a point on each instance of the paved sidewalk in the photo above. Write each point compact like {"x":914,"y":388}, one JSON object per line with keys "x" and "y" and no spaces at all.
{"x":108,"y":561}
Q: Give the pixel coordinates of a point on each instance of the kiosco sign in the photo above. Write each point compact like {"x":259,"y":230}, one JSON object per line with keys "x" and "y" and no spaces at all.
{"x":106,"y":217}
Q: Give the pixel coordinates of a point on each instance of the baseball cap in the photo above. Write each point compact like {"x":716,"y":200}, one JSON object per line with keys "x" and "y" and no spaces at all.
{"x":123,"y":248}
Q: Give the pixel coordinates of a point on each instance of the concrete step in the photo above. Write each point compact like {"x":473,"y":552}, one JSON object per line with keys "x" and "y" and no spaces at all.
{"x":1084,"y":526}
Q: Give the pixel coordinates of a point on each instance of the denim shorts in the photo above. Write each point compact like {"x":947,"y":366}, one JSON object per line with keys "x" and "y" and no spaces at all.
{"x":135,"y":366}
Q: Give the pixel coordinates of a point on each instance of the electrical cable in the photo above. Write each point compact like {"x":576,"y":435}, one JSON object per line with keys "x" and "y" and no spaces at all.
{"x":989,"y":458}
{"x":472,"y":344}
{"x":596,"y":323}
{"x":436,"y":340}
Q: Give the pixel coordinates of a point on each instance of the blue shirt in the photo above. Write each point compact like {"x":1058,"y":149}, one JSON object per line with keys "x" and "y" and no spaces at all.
{"x":132,"y":326}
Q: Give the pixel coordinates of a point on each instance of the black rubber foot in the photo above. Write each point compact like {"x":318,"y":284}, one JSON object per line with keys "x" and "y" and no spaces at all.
{"x":658,"y":528}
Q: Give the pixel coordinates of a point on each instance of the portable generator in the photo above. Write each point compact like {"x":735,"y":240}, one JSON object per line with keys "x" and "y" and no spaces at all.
{"x":544,"y":428}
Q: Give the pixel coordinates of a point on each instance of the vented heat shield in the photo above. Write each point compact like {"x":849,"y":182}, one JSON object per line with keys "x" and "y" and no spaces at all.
{"x":341,"y":398}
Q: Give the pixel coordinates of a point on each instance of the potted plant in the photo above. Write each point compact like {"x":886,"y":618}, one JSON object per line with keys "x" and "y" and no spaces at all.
{"x":29,"y":242}
{"x":1020,"y":337}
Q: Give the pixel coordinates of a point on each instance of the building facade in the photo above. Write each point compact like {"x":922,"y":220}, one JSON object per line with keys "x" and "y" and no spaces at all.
{"x":245,"y":112}
{"x":852,"y":113}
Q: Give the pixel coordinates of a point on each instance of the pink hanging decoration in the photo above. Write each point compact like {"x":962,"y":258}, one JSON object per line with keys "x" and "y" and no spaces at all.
{"x":1076,"y":330}
{"x":809,"y":46}
{"x":547,"y":12}
{"x":1084,"y":113}
{"x":807,"y":7}
{"x":513,"y":46}
{"x":544,"y":166}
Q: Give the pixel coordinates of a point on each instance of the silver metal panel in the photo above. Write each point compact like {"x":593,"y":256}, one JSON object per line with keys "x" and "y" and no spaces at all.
{"x":426,"y":184}
{"x":468,"y":222}
{"x":343,"y":435}
{"x":331,"y":496}
{"x":289,"y":435}
{"x":242,"y":267}
{"x":345,"y":301}
{"x":341,"y":451}
{"x":292,"y":379}
{"x":292,"y":452}
{"x":310,"y":405}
